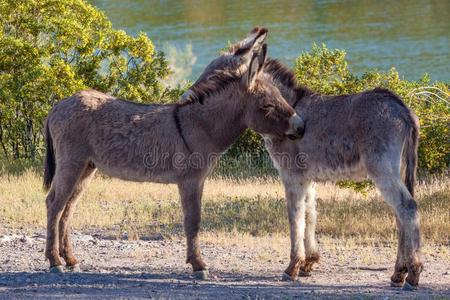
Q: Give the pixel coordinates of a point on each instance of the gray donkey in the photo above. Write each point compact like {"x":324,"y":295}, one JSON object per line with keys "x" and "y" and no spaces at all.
{"x":178,"y":143}
{"x":371,"y":134}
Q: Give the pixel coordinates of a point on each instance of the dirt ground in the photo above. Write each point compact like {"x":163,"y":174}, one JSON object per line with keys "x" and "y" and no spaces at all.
{"x":156,"y":269}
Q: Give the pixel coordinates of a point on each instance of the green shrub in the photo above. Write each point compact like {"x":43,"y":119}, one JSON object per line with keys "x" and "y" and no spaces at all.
{"x":51,"y":49}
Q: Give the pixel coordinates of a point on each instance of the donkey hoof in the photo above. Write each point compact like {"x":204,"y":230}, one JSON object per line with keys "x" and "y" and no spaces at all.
{"x":396,"y":284}
{"x":202,"y":274}
{"x":74,"y":269}
{"x":57,"y":269}
{"x":302,"y":273}
{"x":287,"y":277}
{"x":409,"y":287}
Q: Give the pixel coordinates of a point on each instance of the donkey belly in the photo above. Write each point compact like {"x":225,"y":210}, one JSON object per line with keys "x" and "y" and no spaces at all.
{"x":323,"y":172}
{"x":138,"y":168}
{"x":140,"y":175}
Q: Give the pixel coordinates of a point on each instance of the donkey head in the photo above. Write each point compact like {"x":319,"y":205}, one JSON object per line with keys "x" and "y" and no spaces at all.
{"x":239,"y":70}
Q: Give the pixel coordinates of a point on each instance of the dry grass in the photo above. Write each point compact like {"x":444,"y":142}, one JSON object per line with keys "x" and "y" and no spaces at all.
{"x":239,"y":208}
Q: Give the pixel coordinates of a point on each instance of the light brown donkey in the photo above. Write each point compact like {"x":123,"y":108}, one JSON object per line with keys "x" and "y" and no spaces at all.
{"x":371,"y":134}
{"x":177,"y":143}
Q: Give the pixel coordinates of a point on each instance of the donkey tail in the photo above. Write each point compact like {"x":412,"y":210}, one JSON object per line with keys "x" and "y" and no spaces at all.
{"x":50,"y":163}
{"x":412,"y":143}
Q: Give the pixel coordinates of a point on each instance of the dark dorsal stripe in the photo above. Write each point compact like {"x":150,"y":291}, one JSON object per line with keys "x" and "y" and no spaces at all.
{"x":176,"y":118}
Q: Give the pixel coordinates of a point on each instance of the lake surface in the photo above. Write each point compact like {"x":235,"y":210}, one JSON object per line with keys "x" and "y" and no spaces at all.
{"x":413,"y":36}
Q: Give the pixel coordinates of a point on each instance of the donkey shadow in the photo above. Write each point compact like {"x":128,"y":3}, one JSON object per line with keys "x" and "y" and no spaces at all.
{"x":170,"y":285}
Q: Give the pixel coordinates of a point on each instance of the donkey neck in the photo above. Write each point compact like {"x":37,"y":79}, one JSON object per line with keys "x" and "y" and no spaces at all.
{"x":213,"y":126}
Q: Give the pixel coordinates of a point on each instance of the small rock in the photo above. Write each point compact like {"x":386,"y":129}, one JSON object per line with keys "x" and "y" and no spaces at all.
{"x":154,"y":237}
{"x":26,"y":240}
{"x":82,"y":237}
{"x":39,"y":236}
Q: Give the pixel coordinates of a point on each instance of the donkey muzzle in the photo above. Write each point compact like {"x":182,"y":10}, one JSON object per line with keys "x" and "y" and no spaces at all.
{"x":296,"y":127}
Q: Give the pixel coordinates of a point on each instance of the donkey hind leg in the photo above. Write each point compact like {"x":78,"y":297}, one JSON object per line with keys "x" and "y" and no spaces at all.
{"x":312,"y":255}
{"x":191,"y":194}
{"x":295,"y":197}
{"x":400,"y":268}
{"x":408,"y":255}
{"x":65,"y":244}
{"x":65,"y":180}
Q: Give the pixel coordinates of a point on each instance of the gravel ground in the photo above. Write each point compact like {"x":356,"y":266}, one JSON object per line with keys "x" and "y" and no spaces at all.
{"x":156,"y":269}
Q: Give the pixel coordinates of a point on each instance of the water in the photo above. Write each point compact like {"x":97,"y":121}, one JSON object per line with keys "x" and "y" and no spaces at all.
{"x":412,"y":35}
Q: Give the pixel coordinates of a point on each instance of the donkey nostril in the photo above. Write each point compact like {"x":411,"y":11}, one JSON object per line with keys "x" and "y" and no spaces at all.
{"x":300,"y":130}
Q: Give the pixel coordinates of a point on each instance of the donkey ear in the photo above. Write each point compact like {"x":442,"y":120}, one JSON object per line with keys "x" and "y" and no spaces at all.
{"x":252,"y":43}
{"x":255,"y":66}
{"x":262,"y":54}
{"x":252,"y":70}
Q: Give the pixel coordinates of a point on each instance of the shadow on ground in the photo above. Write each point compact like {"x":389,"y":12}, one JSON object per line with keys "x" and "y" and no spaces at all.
{"x":42,"y":285}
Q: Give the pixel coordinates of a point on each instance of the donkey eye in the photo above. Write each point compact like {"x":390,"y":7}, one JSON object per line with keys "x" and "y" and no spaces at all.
{"x":268,"y":106}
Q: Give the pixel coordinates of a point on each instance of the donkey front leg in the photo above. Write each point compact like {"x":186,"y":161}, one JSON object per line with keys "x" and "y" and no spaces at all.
{"x":312,"y":254}
{"x":295,"y":197}
{"x":191,"y":194}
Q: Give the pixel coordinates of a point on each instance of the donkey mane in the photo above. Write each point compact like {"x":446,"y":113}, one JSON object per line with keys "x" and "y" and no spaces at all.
{"x":213,"y":84}
{"x":280,"y":72}
{"x":286,"y":77}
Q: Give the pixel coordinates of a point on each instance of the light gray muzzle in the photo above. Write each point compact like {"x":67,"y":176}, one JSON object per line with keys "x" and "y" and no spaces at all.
{"x":296,"y":127}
